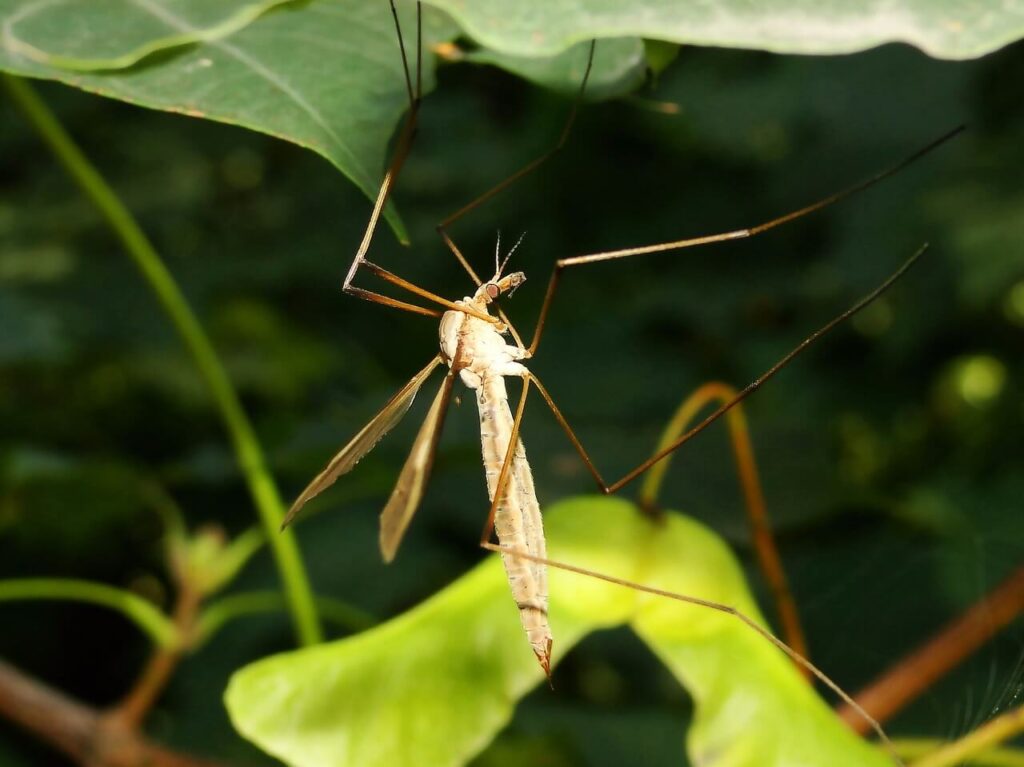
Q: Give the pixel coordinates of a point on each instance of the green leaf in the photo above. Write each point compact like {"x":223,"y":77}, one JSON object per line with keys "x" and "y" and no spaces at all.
{"x":949,"y":29}
{"x":660,"y":54}
{"x":226,"y":609}
{"x":325,"y":76}
{"x":434,"y":686}
{"x":139,"y":31}
{"x":207,"y":561}
{"x":619,"y":67}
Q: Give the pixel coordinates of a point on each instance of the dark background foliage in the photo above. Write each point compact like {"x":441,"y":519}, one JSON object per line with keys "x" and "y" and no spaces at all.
{"x":891,"y":452}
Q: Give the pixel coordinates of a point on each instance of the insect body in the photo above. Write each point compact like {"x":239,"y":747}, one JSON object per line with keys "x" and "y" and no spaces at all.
{"x":474,"y":346}
{"x":478,"y":352}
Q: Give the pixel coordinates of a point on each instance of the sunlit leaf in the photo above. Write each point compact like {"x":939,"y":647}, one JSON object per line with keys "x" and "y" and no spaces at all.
{"x":436,"y":684}
{"x":942,"y":28}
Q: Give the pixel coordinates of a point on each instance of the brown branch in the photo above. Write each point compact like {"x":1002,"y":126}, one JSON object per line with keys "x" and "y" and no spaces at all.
{"x":131,"y":712}
{"x":77,"y":730}
{"x":112,"y":738}
{"x":768,"y":557}
{"x":913,"y":674}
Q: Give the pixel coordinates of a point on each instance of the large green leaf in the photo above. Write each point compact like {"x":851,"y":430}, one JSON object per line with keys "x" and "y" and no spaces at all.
{"x":435,"y":685}
{"x":116,"y":34}
{"x":950,"y":29}
{"x":327,"y":76}
{"x":324,"y":75}
{"x":620,"y":68}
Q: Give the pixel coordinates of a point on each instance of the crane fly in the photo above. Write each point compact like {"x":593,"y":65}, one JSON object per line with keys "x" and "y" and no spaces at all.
{"x":481,"y":347}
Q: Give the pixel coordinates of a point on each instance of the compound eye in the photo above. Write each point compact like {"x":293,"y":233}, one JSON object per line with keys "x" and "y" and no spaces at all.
{"x":493,"y":291}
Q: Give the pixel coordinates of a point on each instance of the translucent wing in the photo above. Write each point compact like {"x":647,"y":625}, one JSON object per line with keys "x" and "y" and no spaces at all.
{"x":413,"y":479}
{"x":364,"y":441}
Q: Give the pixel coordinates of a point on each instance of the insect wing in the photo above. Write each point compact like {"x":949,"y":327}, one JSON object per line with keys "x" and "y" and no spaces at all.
{"x":405,"y":498}
{"x":364,"y":441}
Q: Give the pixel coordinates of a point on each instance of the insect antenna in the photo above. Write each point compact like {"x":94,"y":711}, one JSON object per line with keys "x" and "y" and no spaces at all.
{"x":507,"y":257}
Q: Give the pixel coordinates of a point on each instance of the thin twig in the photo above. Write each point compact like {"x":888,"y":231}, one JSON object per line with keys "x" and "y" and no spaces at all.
{"x":79,"y":731}
{"x":131,"y":712}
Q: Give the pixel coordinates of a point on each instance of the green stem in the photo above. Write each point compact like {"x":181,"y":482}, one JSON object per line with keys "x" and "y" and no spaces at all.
{"x":911,"y":749}
{"x":344,"y":615}
{"x":976,"y":746}
{"x":226,"y":609}
{"x":247,"y":449}
{"x":146,"y":616}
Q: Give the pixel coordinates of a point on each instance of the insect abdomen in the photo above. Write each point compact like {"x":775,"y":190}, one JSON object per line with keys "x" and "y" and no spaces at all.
{"x":517,"y":520}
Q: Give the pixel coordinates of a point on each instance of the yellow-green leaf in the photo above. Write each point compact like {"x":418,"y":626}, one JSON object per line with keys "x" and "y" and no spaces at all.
{"x":434,"y":686}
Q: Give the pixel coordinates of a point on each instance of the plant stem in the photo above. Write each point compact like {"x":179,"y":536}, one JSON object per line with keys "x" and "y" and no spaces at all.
{"x":147,"y":617}
{"x":976,"y":742}
{"x":911,"y":749}
{"x":131,"y":712}
{"x":215,"y":615}
{"x":246,"y":446}
{"x":76,"y":729}
{"x":918,"y":670}
{"x":753,"y":496}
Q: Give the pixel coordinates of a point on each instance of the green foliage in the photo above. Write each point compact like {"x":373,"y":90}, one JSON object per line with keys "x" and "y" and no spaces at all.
{"x":118,"y":35}
{"x":435,"y":685}
{"x":619,"y":69}
{"x":259,"y":64}
{"x":248,"y":451}
{"x":891,"y":453}
{"x":268,"y":77}
{"x":941,"y":28}
{"x":208,"y":562}
{"x":147,"y":617}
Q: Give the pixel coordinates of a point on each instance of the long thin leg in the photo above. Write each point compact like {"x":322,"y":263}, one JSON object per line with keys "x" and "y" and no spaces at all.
{"x":394,"y":279}
{"x":463,"y":262}
{"x":722,"y":608}
{"x":377,"y":298}
{"x":537,"y":161}
{"x":736,"y":234}
{"x":757,"y":511}
{"x":402,"y":149}
{"x":405,"y":58}
{"x":729,"y":404}
{"x":442,"y":228}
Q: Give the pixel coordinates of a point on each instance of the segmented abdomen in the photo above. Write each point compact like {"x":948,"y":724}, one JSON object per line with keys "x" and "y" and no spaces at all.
{"x":517,"y":520}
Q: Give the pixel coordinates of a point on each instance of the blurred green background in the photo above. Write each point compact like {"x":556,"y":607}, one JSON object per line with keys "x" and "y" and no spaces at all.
{"x":890,"y":453}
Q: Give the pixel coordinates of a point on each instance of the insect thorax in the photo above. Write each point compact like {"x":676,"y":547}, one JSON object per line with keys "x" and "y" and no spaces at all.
{"x":476,"y":348}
